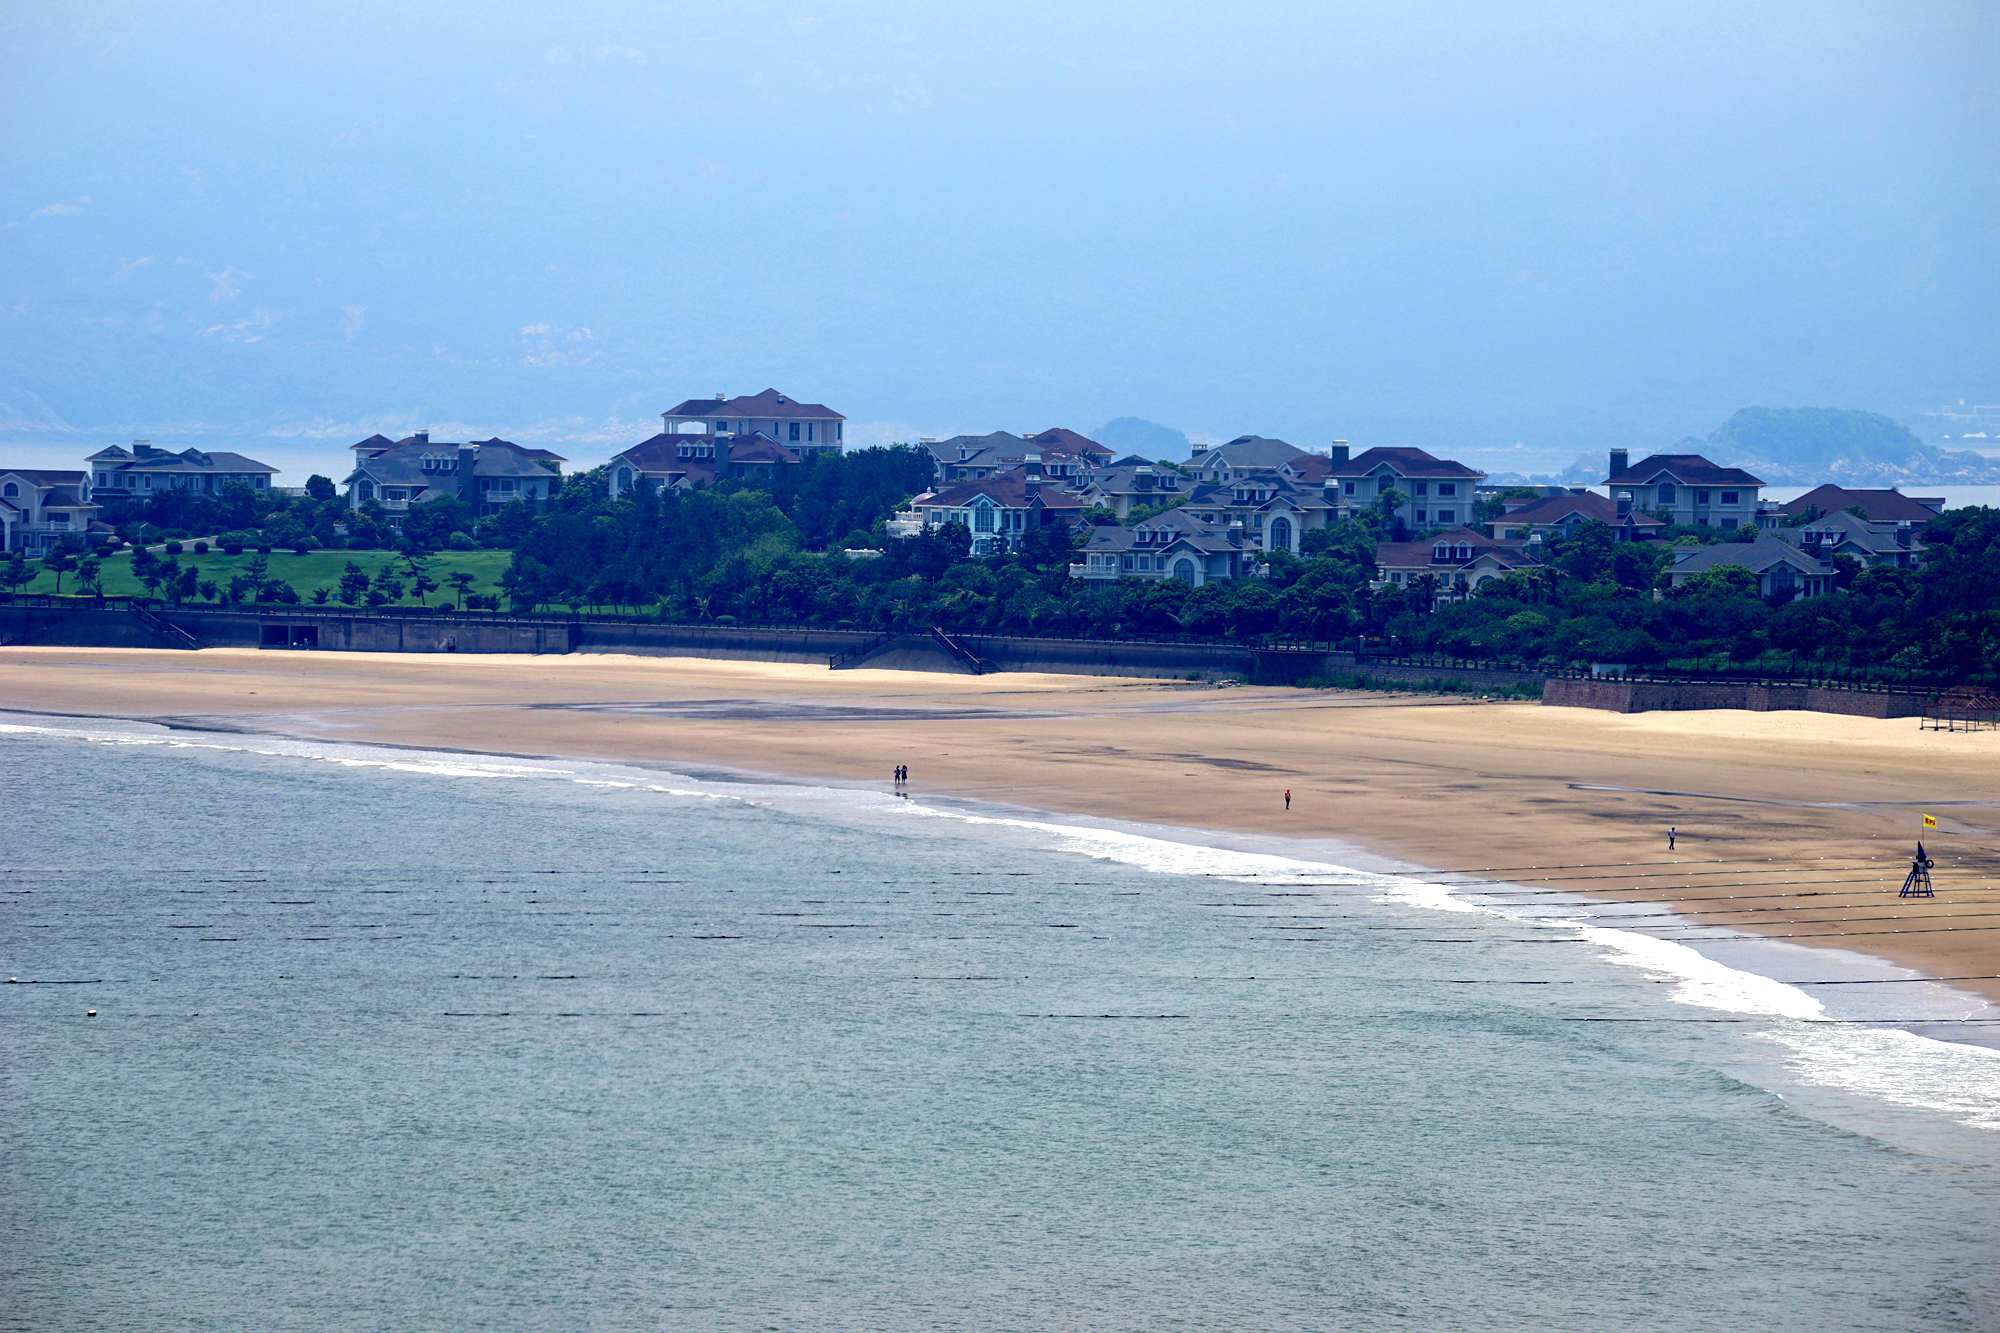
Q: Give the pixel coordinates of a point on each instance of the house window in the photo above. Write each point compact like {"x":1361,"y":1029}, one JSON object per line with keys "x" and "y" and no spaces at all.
{"x":1396,"y":577}
{"x":1447,"y":488}
{"x":1701,"y":497}
{"x":363,"y":488}
{"x":1382,"y":484}
{"x":722,"y":428}
{"x":809,"y":432}
{"x":1420,"y":516}
{"x":1350,"y":488}
{"x":1125,"y":562}
{"x":982,"y":519}
{"x":1422,"y":488}
{"x":1729,"y":497}
{"x":795,"y":431}
{"x":624,"y":478}
{"x":1447,"y":516}
{"x":836,"y":429}
{"x":10,"y":491}
{"x":1666,"y":493}
{"x":1145,"y":562}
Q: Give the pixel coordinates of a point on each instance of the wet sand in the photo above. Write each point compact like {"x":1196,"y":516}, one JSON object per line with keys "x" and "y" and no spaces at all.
{"x":1796,"y":825}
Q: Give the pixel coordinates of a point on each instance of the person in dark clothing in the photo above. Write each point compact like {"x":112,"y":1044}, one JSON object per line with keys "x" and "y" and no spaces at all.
{"x":1288,"y":798}
{"x":1670,"y":837}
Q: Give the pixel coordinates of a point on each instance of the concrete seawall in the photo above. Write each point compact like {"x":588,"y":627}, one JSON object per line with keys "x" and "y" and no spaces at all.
{"x":1647,"y":696}
{"x":349,"y":631}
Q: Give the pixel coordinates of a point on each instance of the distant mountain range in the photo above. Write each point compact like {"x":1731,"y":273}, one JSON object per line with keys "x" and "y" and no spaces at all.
{"x":1804,"y":446}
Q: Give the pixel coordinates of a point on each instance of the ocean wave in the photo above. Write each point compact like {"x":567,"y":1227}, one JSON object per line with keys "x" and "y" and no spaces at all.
{"x":1953,"y":1079}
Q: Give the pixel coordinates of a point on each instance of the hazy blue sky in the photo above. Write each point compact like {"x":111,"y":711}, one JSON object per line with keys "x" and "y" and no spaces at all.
{"x":1458,"y":226}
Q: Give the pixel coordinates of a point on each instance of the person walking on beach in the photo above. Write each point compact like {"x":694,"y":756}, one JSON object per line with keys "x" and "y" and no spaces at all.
{"x":1670,"y":837}
{"x":1288,"y":798}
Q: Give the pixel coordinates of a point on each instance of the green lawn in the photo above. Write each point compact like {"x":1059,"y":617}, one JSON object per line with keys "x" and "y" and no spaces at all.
{"x":318,"y":569}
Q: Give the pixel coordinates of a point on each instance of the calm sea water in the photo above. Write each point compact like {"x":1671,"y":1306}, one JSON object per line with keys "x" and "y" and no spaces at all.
{"x":406,"y":1040}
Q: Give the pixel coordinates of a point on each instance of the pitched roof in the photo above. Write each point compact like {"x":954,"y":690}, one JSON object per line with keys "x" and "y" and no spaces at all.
{"x":758,"y":448}
{"x":665,"y":453}
{"x":1592,"y":507}
{"x":1248,"y":451}
{"x":1846,"y":530}
{"x":1889,"y":506}
{"x":1007,"y":489}
{"x":44,"y":477}
{"x":1275,"y":487}
{"x":402,"y":463}
{"x":374,"y":442}
{"x":1058,"y":439}
{"x":1686,"y":469}
{"x":769,"y":403}
{"x":1411,"y":555}
{"x":1756,"y":557}
{"x":1183,"y":526}
{"x":1405,"y":463}
{"x":1312,"y":469}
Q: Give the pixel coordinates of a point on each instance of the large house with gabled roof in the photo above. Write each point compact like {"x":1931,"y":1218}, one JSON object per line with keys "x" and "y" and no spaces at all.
{"x":1274,"y":509}
{"x":1883,"y":508}
{"x":1685,"y":489}
{"x":118,"y":475}
{"x":1242,"y":456}
{"x":1066,"y":457}
{"x":485,"y":475}
{"x":1782,"y":569}
{"x":1173,"y":545}
{"x":804,"y":428}
{"x":1457,"y":562}
{"x":1436,"y":492}
{"x":41,"y":510}
{"x":1561,"y":516}
{"x":688,"y":462}
{"x":1001,"y":509}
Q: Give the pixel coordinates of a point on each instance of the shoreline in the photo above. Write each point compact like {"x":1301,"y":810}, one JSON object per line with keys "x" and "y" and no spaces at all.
{"x":1544,"y":806}
{"x":1734,"y":974}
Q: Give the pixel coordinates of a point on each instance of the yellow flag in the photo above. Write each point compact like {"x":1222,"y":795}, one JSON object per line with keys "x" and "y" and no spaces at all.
{"x":1930,"y":821}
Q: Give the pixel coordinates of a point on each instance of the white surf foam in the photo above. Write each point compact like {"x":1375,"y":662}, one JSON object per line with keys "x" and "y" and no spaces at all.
{"x":1909,"y":1069}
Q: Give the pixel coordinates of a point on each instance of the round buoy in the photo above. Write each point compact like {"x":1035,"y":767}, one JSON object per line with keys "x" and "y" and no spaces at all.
{"x":90,"y":1013}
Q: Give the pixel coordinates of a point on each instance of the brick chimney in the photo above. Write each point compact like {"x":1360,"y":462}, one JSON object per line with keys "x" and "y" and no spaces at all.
{"x":1142,"y":478}
{"x":1235,"y":532}
{"x":468,"y":484}
{"x":1338,"y":453}
{"x":1620,"y":460}
{"x":1034,"y":483}
{"x":1903,"y":534}
{"x":1624,"y":504}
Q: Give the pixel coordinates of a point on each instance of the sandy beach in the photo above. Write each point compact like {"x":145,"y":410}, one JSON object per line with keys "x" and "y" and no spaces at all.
{"x":1796,"y":825}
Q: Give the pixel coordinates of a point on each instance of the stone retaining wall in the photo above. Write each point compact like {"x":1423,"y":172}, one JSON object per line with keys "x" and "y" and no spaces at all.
{"x":1646,"y":696}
